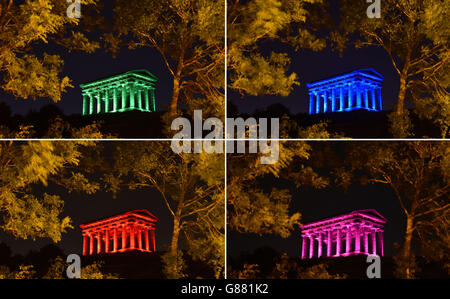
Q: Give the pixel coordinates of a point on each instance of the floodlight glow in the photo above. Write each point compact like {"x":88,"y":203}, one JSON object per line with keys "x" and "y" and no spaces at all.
{"x":125,"y":92}
{"x":360,"y":89}
{"x":352,"y":228}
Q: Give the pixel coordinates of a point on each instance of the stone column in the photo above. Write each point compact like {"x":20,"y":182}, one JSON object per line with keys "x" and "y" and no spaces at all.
{"x":366,"y":98}
{"x":147,"y":104}
{"x":303,"y":246}
{"x":99,"y":103}
{"x":124,"y":97}
{"x":147,"y":245}
{"x":139,"y":94}
{"x":374,"y":242}
{"x":84,"y":244}
{"x":329,"y":244}
{"x":380,"y":237}
{"x":318,"y":98}
{"x":311,"y":247}
{"x":358,"y":95}
{"x":91,"y":244}
{"x":372,"y":96}
{"x":115,"y":240}
{"x":348,"y":239}
{"x":99,"y":243}
{"x":350,"y":96}
{"x":106,"y":102}
{"x":114,"y":99}
{"x":124,"y":239}
{"x":106,"y":240}
{"x":91,"y":104}
{"x":132,"y":92}
{"x":357,"y":240}
{"x":152,"y":234}
{"x":84,"y":104}
{"x":338,"y":242}
{"x":319,"y":239}
{"x":311,"y":103}
{"x":325,"y":102}
{"x":132,"y":240}
{"x":380,"y":105}
{"x":139,"y":232}
{"x":341,"y":99}
{"x":366,"y":242}
{"x":333,"y":100}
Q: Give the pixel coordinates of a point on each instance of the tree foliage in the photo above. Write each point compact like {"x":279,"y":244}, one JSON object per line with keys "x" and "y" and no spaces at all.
{"x":253,"y":25}
{"x":189,"y":35}
{"x":26,"y":165}
{"x":254,"y":208}
{"x":26,"y":27}
{"x":415,"y":35}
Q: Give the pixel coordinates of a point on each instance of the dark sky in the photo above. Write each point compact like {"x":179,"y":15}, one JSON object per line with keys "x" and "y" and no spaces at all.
{"x":314,"y":66}
{"x":316,"y":204}
{"x":82,"y":68}
{"x":87,"y":208}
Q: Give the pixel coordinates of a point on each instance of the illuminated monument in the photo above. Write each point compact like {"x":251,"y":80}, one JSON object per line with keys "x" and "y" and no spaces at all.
{"x":133,"y":90}
{"x":344,"y":235}
{"x":124,"y":232}
{"x":360,"y":89}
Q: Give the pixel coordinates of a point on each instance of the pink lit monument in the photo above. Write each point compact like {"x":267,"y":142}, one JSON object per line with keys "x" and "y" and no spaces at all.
{"x":344,"y":235}
{"x":131,"y":228}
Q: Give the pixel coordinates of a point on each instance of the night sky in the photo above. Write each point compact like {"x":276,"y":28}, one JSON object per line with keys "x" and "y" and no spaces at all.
{"x":315,"y":66}
{"x":82,"y":68}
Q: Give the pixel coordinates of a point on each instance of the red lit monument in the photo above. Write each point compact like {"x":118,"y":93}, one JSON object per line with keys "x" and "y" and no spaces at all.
{"x":344,"y":235}
{"x":125,"y":232}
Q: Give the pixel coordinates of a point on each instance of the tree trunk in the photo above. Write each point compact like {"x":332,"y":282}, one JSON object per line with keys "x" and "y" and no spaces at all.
{"x":407,"y":246}
{"x":175,"y":235}
{"x":401,"y":95}
{"x":173,"y":109}
{"x":403,"y":84}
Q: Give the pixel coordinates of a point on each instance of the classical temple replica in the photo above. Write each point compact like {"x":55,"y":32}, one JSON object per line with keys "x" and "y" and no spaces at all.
{"x":360,"y":89}
{"x":344,"y":235}
{"x":120,"y":233}
{"x":133,"y":90}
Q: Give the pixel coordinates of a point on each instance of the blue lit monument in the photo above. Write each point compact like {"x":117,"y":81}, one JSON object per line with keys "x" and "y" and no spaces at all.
{"x":360,"y":89}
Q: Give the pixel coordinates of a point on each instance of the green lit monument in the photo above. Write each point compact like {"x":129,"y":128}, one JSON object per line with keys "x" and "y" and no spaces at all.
{"x":133,"y":90}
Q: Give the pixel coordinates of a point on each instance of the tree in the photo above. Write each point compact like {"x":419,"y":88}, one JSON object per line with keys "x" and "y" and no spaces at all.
{"x":415,"y":36}
{"x":419,"y":175}
{"x":254,"y":208}
{"x":26,"y":212}
{"x":191,"y":186}
{"x":189,"y":35}
{"x":27,"y":26}
{"x":253,"y":24}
